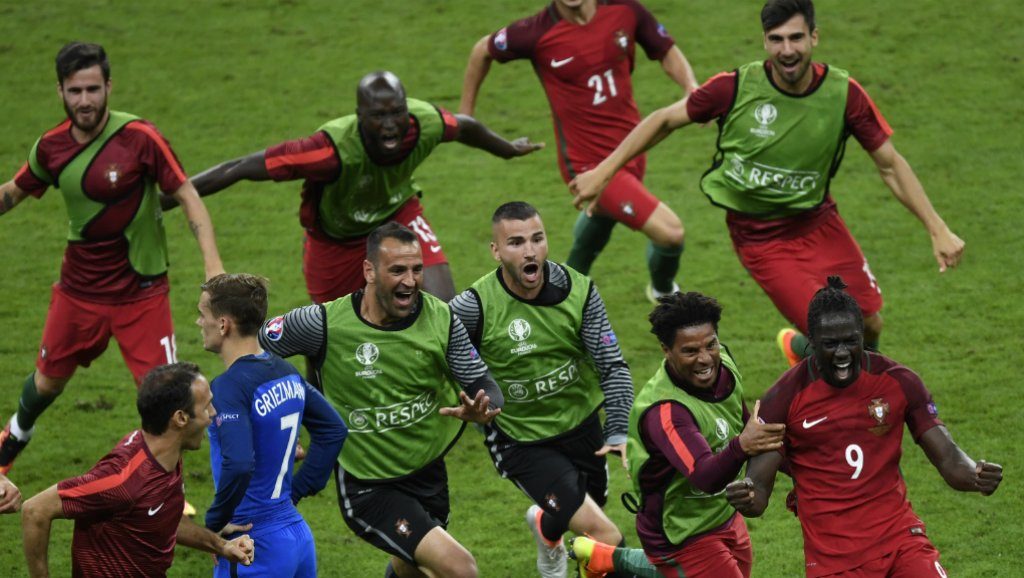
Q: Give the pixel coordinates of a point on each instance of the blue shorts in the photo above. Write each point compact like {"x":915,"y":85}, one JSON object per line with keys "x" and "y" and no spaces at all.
{"x":283,"y":552}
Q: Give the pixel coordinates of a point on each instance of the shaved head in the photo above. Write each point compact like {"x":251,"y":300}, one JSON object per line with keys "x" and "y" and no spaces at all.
{"x":376,"y":84}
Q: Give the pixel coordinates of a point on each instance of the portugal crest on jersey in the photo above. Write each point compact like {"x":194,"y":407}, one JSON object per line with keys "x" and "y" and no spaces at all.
{"x":879,"y":410}
{"x":622,"y":41}
{"x":112,"y":175}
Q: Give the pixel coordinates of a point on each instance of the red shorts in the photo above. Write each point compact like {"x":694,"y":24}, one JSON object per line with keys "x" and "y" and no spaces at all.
{"x":78,"y":331}
{"x":915,"y":558}
{"x":334,"y":269}
{"x":626,"y":199}
{"x":792,"y":270}
{"x":725,"y":553}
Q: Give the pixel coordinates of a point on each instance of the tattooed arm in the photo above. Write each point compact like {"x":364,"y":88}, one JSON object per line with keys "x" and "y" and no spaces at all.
{"x":10,"y":196}
{"x":202,"y":227}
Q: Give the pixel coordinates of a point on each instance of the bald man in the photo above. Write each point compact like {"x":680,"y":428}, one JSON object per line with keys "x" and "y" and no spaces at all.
{"x":357,"y":174}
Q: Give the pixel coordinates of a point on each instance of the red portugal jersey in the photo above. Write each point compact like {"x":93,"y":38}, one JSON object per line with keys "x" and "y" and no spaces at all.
{"x":844,"y":448}
{"x":126,"y":511}
{"x":586,"y":72}
{"x":97,"y":268}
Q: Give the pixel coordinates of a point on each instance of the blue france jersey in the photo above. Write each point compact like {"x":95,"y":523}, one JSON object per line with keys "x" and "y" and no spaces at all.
{"x":260,"y":402}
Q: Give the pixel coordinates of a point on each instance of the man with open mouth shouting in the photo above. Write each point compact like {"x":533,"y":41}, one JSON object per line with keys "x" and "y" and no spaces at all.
{"x":543,"y":330}
{"x":844,"y":410}
{"x":357,"y":174}
{"x":398,"y":366}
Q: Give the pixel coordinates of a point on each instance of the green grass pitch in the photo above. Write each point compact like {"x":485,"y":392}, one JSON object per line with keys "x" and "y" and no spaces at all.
{"x":227,"y":77}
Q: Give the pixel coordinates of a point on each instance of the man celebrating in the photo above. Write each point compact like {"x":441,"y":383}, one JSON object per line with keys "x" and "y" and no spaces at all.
{"x":389,"y":359}
{"x":128,"y":507}
{"x":685,"y":445}
{"x":113,"y":280}
{"x":783,"y":125}
{"x":543,"y":331}
{"x":583,"y":52}
{"x":261,"y":400}
{"x":358,"y":173}
{"x":844,"y":411}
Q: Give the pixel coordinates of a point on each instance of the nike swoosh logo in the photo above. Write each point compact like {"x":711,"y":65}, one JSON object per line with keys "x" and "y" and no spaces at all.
{"x":153,"y":511}
{"x":561,"y":63}
{"x":810,"y":424}
{"x":435,"y":248}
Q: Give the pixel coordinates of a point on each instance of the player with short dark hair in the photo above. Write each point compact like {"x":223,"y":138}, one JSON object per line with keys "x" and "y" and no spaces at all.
{"x":687,"y":440}
{"x":583,"y":52}
{"x":844,"y":409}
{"x":111,"y":167}
{"x":128,"y":508}
{"x":398,"y":365}
{"x":358,"y":174}
{"x":783,"y":125}
{"x":543,"y":331}
{"x":261,"y":401}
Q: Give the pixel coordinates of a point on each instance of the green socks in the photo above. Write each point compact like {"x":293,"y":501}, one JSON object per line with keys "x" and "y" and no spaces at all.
{"x":633,"y":561}
{"x":32,"y":404}
{"x":801,"y":345}
{"x":663,"y":263}
{"x":590,"y":235}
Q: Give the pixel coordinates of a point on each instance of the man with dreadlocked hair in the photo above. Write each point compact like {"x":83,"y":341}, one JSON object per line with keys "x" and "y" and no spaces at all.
{"x":844,"y":410}
{"x":685,"y":444}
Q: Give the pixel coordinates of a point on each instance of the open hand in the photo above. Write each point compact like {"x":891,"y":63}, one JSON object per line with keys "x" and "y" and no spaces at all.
{"x":522,"y":146}
{"x":619,"y":449}
{"x":474,"y":410}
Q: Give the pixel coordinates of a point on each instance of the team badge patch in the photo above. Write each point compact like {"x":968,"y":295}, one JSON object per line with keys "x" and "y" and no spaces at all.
{"x":367,"y":353}
{"x":661,"y":30}
{"x":933,"y":410}
{"x":721,"y":428}
{"x":608,"y":338}
{"x":402,"y":527}
{"x":552,"y":502}
{"x":879,"y":410}
{"x":621,"y":40}
{"x":274,"y":328}
{"x":501,"y":39}
{"x":112,"y":174}
{"x":519,"y":329}
{"x":627,"y":208}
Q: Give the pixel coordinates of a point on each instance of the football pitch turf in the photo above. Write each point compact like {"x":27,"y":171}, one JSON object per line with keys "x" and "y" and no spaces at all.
{"x":225,"y":78}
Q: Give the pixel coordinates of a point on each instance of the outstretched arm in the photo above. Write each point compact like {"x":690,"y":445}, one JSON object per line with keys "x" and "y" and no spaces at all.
{"x":475,"y":134}
{"x":901,"y":180}
{"x":10,"y":196}
{"x":36,"y":517}
{"x":957,"y":468}
{"x":750,"y":495}
{"x":201,"y":226}
{"x":248,"y":168}
{"x":659,"y":124}
{"x":476,"y":71}
{"x":677,"y":68}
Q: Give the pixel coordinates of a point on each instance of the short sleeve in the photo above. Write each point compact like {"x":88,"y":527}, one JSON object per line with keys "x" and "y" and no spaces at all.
{"x":922,"y":413}
{"x":519,"y":39}
{"x":156,"y":155}
{"x":451,"y":124}
{"x":312,"y":158}
{"x":96,"y":494}
{"x":650,"y":34}
{"x":863,"y":119}
{"x":713,"y":99}
{"x":27,"y":181}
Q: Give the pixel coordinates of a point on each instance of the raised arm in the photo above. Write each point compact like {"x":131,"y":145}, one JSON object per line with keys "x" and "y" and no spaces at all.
{"x":901,"y":180}
{"x":10,"y":196}
{"x":476,"y":71}
{"x":248,"y":168}
{"x":750,"y":495}
{"x":475,"y":134}
{"x":677,"y":68}
{"x":36,"y":517}
{"x":587,"y":186}
{"x":201,"y":226}
{"x":956,"y":467}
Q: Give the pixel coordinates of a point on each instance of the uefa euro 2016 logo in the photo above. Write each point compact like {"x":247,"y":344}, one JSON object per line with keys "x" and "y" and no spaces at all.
{"x":367,"y":353}
{"x":766,"y":113}
{"x":519,"y":329}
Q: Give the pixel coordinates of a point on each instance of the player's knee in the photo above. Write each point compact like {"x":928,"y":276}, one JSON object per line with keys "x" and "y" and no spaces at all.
{"x":50,"y":386}
{"x":668,"y":234}
{"x":462,"y":565}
